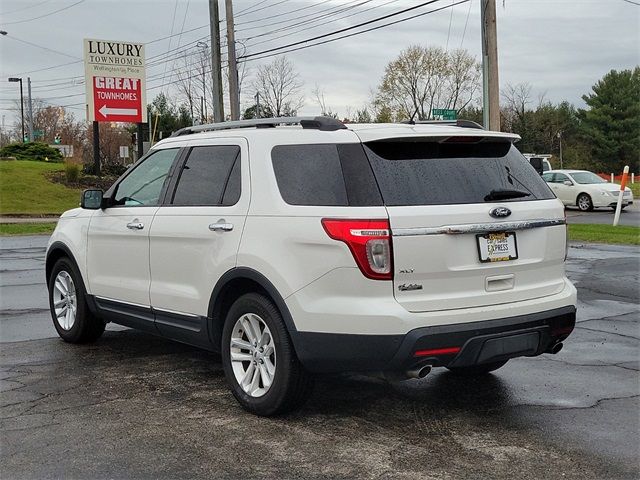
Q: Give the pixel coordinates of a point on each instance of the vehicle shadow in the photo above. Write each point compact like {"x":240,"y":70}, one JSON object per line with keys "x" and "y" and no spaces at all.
{"x":440,"y":390}
{"x":343,"y":395}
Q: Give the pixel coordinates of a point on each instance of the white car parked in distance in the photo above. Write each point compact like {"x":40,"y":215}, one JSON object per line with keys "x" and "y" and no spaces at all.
{"x":300,"y":245}
{"x":585,"y":190}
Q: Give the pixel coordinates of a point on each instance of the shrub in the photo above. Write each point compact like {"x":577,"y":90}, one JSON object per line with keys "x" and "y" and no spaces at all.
{"x":114,"y":169}
{"x":31,"y":151}
{"x":72,"y":172}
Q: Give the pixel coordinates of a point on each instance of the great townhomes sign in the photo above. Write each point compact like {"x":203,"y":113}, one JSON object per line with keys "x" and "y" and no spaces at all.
{"x":115,"y":81}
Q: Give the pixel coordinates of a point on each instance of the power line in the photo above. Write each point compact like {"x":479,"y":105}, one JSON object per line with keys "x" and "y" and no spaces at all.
{"x":25,"y":8}
{"x":39,"y":46}
{"x":46,"y":14}
{"x":449,"y":30}
{"x":252,"y":6}
{"x":320,"y":25}
{"x":173,"y":21}
{"x":80,"y":61}
{"x":192,"y":73}
{"x":327,"y":13}
{"x":48,"y":68}
{"x":261,"y":8}
{"x":61,"y":83}
{"x":184,"y":20}
{"x":357,"y":33}
{"x":632,"y":2}
{"x":466,"y":23}
{"x":279,"y":15}
{"x":368,"y":22}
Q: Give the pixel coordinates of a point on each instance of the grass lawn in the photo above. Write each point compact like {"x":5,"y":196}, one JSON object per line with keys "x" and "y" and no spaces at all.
{"x":26,"y":228}
{"x":24,"y":189}
{"x":635,"y":188}
{"x":605,"y":234}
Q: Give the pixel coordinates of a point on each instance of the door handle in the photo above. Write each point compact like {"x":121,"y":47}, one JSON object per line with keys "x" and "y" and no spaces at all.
{"x":221,"y":227}
{"x":135,"y":225}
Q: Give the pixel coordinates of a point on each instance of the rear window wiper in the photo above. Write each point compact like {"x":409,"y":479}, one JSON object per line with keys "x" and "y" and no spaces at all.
{"x":503,"y":194}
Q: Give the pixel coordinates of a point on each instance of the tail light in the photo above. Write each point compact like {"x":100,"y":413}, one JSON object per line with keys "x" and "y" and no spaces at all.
{"x":369,"y":242}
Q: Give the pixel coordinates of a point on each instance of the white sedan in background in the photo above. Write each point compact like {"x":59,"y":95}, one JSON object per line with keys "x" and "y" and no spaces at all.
{"x":585,"y":190}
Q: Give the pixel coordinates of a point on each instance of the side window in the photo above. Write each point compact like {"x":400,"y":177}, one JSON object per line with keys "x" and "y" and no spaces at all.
{"x":210,"y":176}
{"x":309,"y":174}
{"x":547,"y":177}
{"x":560,"y":178}
{"x":325,"y":174}
{"x":143,"y":185}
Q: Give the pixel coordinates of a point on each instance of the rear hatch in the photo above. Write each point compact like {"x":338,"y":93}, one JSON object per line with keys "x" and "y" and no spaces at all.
{"x":473,"y":223}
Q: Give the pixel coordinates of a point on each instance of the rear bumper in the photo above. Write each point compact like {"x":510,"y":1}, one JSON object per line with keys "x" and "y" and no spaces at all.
{"x":457,"y":345}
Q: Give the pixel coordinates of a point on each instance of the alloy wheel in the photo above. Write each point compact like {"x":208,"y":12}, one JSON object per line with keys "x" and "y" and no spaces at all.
{"x":584,"y":203}
{"x":65,"y":302}
{"x":253,"y":355}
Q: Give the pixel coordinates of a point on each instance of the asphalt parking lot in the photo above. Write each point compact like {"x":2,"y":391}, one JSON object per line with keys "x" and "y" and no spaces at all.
{"x":629,"y":216}
{"x":136,"y":406}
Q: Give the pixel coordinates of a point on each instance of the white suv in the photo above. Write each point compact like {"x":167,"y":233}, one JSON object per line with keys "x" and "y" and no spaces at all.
{"x":301,"y":245}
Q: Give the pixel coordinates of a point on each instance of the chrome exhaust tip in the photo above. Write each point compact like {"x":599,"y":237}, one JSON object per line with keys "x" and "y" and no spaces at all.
{"x":419,"y":372}
{"x":556,"y":348}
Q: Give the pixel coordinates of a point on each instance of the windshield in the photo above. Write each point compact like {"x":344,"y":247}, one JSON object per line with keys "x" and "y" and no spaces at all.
{"x":587,"y":178}
{"x":415,"y":172}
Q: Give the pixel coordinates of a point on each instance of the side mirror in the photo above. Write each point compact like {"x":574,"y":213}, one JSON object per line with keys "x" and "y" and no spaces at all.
{"x":91,"y":199}
{"x":568,"y":183}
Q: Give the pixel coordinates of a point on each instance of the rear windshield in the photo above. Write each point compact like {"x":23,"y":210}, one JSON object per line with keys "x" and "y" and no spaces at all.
{"x":414,"y":172}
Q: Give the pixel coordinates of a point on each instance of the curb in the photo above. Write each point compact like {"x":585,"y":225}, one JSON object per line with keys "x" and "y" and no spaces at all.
{"x":27,"y":219}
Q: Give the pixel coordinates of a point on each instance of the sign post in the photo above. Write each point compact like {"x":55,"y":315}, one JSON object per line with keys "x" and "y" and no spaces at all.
{"x":623,"y":184}
{"x":115,"y":85}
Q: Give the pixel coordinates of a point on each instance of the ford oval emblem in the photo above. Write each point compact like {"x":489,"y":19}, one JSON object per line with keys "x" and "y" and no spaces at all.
{"x":499,"y":212}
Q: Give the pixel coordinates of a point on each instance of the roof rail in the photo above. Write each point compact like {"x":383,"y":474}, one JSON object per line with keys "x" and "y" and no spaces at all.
{"x":458,"y":123}
{"x":326,"y":124}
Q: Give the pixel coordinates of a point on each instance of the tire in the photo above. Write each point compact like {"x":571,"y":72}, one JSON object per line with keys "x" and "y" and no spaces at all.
{"x":584,"y":203}
{"x":477,"y":370}
{"x":79,"y":325}
{"x":287,"y":384}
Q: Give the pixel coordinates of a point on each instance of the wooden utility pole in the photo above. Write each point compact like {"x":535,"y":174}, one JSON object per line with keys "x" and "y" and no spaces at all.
{"x":234,"y":92}
{"x":216,"y":65}
{"x":490,"y":80}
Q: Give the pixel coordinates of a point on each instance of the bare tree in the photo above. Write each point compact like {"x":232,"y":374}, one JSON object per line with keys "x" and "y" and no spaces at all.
{"x":186,"y":85}
{"x":424,"y":78}
{"x":463,"y":81}
{"x":516,"y":101}
{"x":279,"y":86}
{"x":325,"y":110}
{"x":194,"y":83}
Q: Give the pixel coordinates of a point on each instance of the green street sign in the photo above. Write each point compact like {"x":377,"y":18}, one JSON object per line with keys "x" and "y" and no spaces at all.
{"x":444,"y":114}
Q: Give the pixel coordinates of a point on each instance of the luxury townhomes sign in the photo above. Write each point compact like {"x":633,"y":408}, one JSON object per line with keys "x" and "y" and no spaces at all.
{"x":115,"y":81}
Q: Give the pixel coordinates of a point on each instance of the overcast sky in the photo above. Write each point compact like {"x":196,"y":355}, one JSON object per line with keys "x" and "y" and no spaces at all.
{"x":561,"y":47}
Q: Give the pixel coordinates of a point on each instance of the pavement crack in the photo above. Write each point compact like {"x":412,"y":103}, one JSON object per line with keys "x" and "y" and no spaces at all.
{"x":598,"y":402}
{"x":618,"y":365}
{"x":606,"y":331}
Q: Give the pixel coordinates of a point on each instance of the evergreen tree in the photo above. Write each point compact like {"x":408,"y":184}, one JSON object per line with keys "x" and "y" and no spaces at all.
{"x":611,"y":123}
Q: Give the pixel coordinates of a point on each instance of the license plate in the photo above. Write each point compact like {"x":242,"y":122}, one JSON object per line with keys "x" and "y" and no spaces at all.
{"x":497,"y":247}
